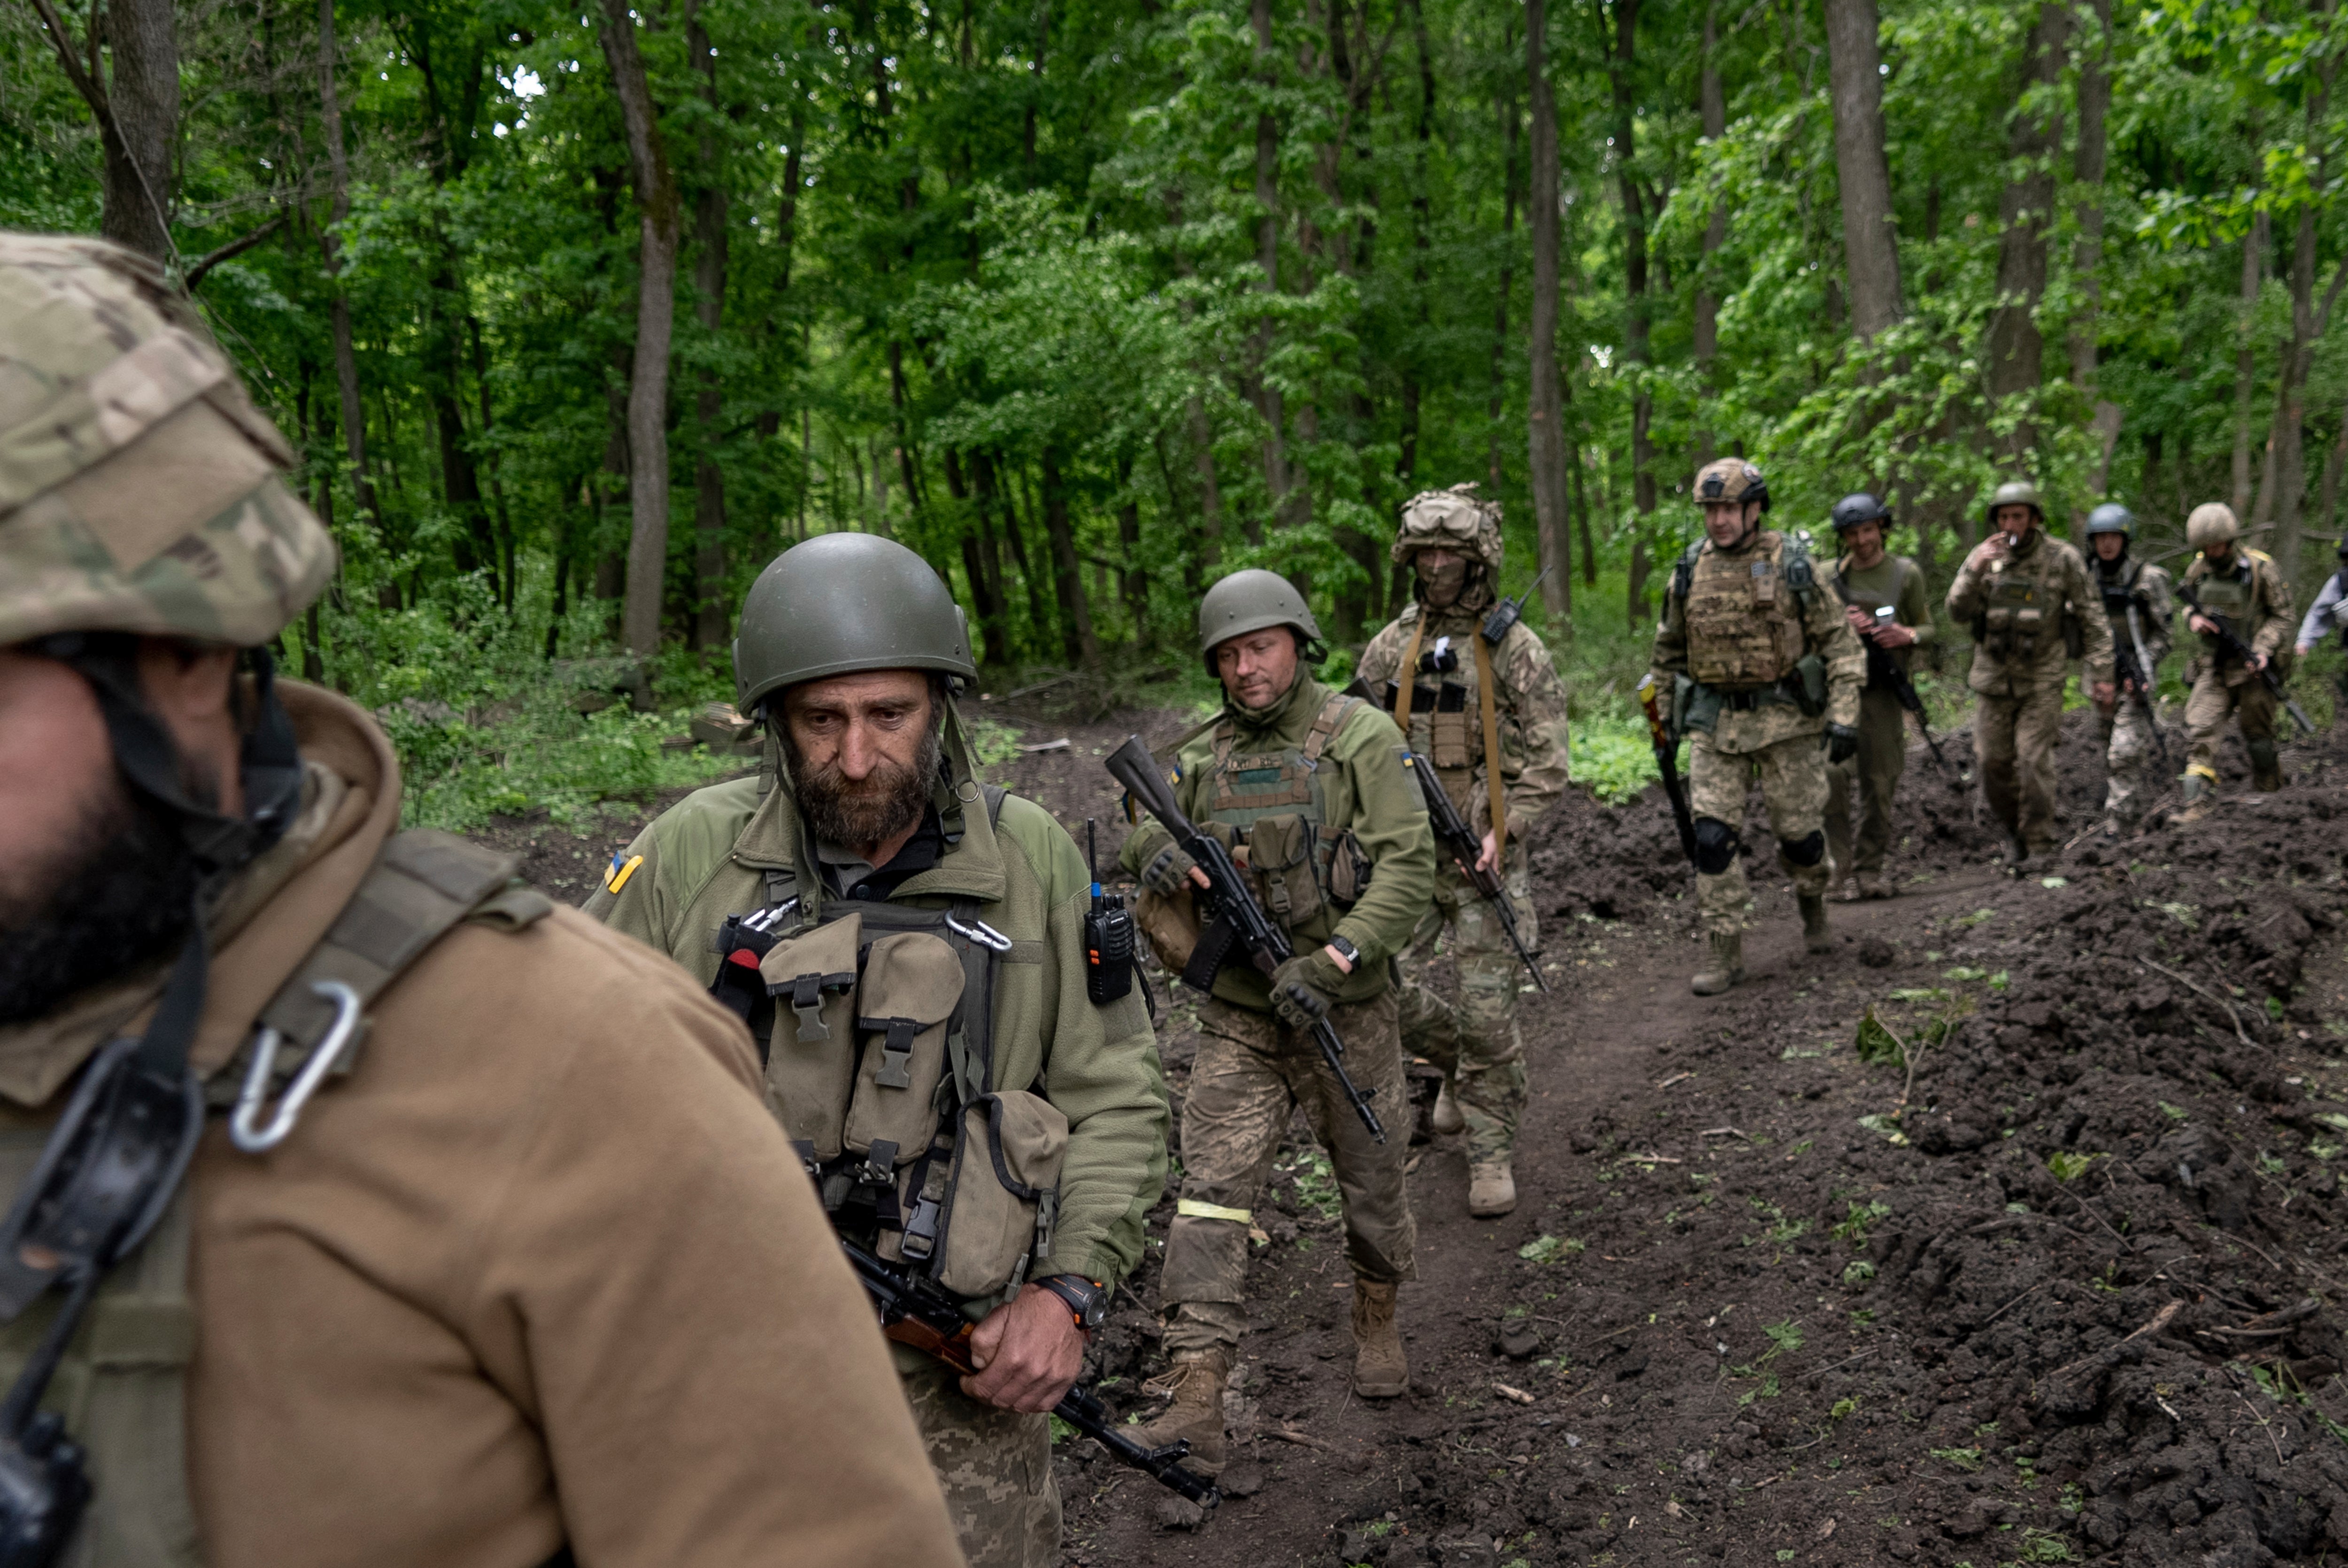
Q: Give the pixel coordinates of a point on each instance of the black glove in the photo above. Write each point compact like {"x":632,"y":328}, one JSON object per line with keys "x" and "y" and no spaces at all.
{"x":1168,"y":871}
{"x":1841,"y":742}
{"x":1302,"y":986}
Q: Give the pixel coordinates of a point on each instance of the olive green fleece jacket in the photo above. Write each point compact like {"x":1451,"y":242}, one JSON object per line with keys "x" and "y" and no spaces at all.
{"x":1366,"y":789}
{"x":706,"y":856}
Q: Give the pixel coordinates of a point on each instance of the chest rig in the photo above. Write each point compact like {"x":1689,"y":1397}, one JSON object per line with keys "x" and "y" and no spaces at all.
{"x":2231,"y":596}
{"x":875,"y":1025}
{"x":2023,"y":609}
{"x":1745,"y":613}
{"x":1270,"y":809}
{"x":2119,"y":589}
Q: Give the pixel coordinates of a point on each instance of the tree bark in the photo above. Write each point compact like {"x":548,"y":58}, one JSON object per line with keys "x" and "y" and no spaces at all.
{"x":138,"y":118}
{"x":338,"y":209}
{"x":1545,"y":416}
{"x":2254,"y":277}
{"x":1622,"y":63}
{"x":2025,"y":212}
{"x":2283,"y":490}
{"x":1711,"y":106}
{"x":711,"y":617}
{"x":1863,"y":170}
{"x":1077,"y":638}
{"x":1512,"y":122}
{"x":2087,"y":250}
{"x":656,"y":196}
{"x":1267,"y":400}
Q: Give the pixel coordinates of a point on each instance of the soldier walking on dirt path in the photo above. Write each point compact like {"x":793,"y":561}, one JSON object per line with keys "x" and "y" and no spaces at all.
{"x":2137,"y":607}
{"x":1310,"y":785}
{"x":1870,"y":581}
{"x":1765,"y":675}
{"x":910,"y":947}
{"x":1467,"y":692}
{"x":498,"y":1260}
{"x":2027,"y":597}
{"x":2243,"y":592}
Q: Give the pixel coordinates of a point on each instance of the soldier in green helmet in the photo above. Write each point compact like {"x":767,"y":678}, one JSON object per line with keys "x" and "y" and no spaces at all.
{"x":497,"y":1239}
{"x":1451,"y":539}
{"x":908,"y":945}
{"x":1311,"y":784}
{"x":2027,"y":597}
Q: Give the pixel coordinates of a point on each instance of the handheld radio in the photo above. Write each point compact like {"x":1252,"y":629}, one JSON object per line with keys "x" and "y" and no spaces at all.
{"x":1108,"y":936}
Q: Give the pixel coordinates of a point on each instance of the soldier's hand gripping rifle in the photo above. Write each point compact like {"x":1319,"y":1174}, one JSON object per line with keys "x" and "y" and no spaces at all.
{"x":2227,"y":643}
{"x":1229,"y":912}
{"x":1460,"y":841}
{"x":1667,"y":750}
{"x":2134,"y":671}
{"x":1882,"y":669}
{"x":914,"y":1312}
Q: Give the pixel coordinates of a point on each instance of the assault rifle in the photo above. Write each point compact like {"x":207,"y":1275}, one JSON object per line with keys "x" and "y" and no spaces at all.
{"x":1882,"y":669}
{"x":1667,"y":749}
{"x":2230,"y":645}
{"x":916,"y":1313}
{"x":2134,"y":669}
{"x":1230,"y":913}
{"x":1460,"y":841}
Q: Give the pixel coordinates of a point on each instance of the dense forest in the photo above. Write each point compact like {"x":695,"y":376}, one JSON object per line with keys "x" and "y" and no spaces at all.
{"x":579,"y":318}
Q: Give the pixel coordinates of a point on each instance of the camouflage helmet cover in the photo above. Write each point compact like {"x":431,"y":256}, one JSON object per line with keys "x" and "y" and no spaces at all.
{"x":139,"y":487}
{"x":2014,"y":493}
{"x":1453,"y":519}
{"x":1730,"y":479}
{"x":2212,"y":523}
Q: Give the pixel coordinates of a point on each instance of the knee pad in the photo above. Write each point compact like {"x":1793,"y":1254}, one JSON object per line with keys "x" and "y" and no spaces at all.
{"x":1804,"y":851}
{"x":1715,"y":846}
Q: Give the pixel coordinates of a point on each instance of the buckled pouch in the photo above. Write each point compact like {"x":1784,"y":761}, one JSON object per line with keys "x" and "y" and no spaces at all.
{"x":912,"y":982}
{"x":1810,"y":686}
{"x":1280,"y":861}
{"x":1344,"y":864}
{"x":811,"y":1062}
{"x":1005,"y":1193}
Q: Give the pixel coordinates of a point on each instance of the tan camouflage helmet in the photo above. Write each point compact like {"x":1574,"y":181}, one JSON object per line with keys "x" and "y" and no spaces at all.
{"x":1453,"y":519}
{"x":2014,"y":493}
{"x":1730,"y":479}
{"x":2212,"y":523}
{"x":139,"y":484}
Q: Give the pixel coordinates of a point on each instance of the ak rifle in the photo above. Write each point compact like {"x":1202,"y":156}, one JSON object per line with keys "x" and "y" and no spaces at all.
{"x":1460,"y":841}
{"x":1667,"y":750}
{"x":1884,"y":670}
{"x":2229,"y":644}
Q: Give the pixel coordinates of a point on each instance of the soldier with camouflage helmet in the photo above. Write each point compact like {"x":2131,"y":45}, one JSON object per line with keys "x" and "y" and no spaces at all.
{"x":1306,"y":786}
{"x":908,"y":945}
{"x":1465,"y":693}
{"x":477,"y":1297}
{"x":2135,"y":596}
{"x":1765,"y":676}
{"x":2027,"y":597}
{"x":2242,"y":590}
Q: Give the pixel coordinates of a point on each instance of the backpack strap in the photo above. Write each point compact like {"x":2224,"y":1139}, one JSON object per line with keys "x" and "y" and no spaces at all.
{"x":1801,"y":576}
{"x":1326,"y":725}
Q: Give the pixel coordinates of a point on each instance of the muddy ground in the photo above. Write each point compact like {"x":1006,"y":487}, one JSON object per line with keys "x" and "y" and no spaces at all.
{"x":2076,"y":1299}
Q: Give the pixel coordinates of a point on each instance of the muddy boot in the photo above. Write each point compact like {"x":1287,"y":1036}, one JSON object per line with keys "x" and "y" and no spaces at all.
{"x":1196,"y":1414}
{"x":1447,"y":1118}
{"x":2195,"y":793}
{"x":2016,"y":852}
{"x":1727,"y":966}
{"x":1380,"y":1370}
{"x":1491,"y":1189}
{"x":1815,"y":934}
{"x":2266,"y":766}
{"x":1871,"y":884}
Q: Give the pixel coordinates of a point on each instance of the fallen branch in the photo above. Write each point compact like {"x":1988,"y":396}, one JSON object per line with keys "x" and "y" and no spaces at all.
{"x":2009,"y":1307}
{"x":1722,"y":1133}
{"x":1517,"y":1395}
{"x":2160,"y":1320}
{"x":2230,"y":1016}
{"x":1674,"y":1078}
{"x":1302,"y":1439}
{"x":1652,"y":1160}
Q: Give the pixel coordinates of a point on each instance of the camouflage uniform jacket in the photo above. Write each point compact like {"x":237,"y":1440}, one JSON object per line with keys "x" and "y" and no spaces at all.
{"x":2147,"y":587}
{"x":2249,"y":595}
{"x":1445,"y":726}
{"x":1816,"y":614}
{"x":2019,"y":608}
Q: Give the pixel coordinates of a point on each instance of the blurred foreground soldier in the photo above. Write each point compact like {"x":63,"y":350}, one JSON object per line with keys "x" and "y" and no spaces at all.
{"x":2243,"y":593}
{"x":1765,"y":676}
{"x":2033,"y":609}
{"x":907,"y":946}
{"x":1308,"y":783}
{"x":1466,"y":697}
{"x":1883,"y":599}
{"x":2136,"y":607}
{"x":499,"y":1262}
{"x":2329,"y":613}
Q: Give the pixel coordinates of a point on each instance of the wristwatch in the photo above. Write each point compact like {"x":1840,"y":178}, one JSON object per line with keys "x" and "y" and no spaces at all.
{"x":1087,"y":1299}
{"x":1346,"y":950}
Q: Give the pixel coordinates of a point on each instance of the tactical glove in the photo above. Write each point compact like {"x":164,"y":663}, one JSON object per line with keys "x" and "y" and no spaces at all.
{"x":1168,"y":871}
{"x":1841,"y":742}
{"x":1302,"y":986}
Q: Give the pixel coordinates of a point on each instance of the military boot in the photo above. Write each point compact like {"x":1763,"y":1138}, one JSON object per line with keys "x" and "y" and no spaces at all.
{"x":1491,"y":1189}
{"x":1197,"y":1413}
{"x":1447,"y":1117}
{"x":1380,"y":1369}
{"x":2195,"y":793}
{"x":1815,"y":934}
{"x":1872,"y":884}
{"x":2266,"y":766}
{"x":1726,"y":968}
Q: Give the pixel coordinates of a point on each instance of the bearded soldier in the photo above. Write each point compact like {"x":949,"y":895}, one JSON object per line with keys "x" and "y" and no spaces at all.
{"x":1489,"y":714}
{"x":1308,"y":783}
{"x":2242,"y":591}
{"x":2136,"y":605}
{"x":1765,"y":676}
{"x":2032,"y":608}
{"x":497,"y":1240}
{"x":1883,"y":599}
{"x":908,"y":947}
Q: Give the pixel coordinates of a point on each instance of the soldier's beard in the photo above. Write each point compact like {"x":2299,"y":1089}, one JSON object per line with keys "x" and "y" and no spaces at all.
{"x":858,"y":814}
{"x":121,"y":895}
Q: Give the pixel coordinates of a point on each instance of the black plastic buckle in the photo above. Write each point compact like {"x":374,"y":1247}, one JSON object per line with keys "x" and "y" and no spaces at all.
{"x":896,"y":1049}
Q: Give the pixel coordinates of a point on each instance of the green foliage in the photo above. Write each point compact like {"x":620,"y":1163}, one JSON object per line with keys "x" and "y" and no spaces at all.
{"x":2068,"y":1165}
{"x":1877,"y":1045}
{"x":1550,"y":1249}
{"x":1854,"y":1224}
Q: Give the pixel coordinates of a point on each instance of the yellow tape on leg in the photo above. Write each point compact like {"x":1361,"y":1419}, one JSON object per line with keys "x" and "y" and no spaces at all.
{"x":1192,"y":1209}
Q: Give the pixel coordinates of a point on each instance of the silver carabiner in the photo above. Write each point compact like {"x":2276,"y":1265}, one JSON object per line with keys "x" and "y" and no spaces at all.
{"x":979,"y":932}
{"x":250,"y":1099}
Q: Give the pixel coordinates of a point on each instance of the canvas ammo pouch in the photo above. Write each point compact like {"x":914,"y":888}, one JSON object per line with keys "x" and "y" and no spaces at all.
{"x":2014,"y":618}
{"x":1002,"y":1198}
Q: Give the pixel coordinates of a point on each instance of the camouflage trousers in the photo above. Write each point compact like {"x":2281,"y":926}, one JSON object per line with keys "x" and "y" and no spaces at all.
{"x":1875,"y":768}
{"x":1476,"y":1040}
{"x":1251,"y":1074}
{"x":994,"y":1467}
{"x":1793,"y":775}
{"x":2127,"y":749}
{"x":2211,"y":703}
{"x":2013,"y":746}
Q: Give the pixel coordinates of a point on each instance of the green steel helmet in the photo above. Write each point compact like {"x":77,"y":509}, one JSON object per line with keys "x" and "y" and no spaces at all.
{"x":1856,"y":509}
{"x":140,"y":487}
{"x":843,"y":602}
{"x":1249,"y":602}
{"x":2111,"y":517}
{"x":2014,"y":493}
{"x":1453,"y":519}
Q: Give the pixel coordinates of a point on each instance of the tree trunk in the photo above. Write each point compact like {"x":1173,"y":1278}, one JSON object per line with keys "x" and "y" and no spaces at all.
{"x":141,"y":184}
{"x":711,"y":617}
{"x":2087,"y":168}
{"x":1869,"y":242}
{"x":1545,"y":415}
{"x":979,"y":565}
{"x":1077,"y":638}
{"x":338,"y":310}
{"x":1620,"y":66}
{"x":2282,"y":493}
{"x":1511,"y":119}
{"x":2025,"y":212}
{"x":1712,"y":105}
{"x":655,"y":187}
{"x":1267,"y":195}
{"x":2332,"y":470}
{"x":2254,"y":277}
